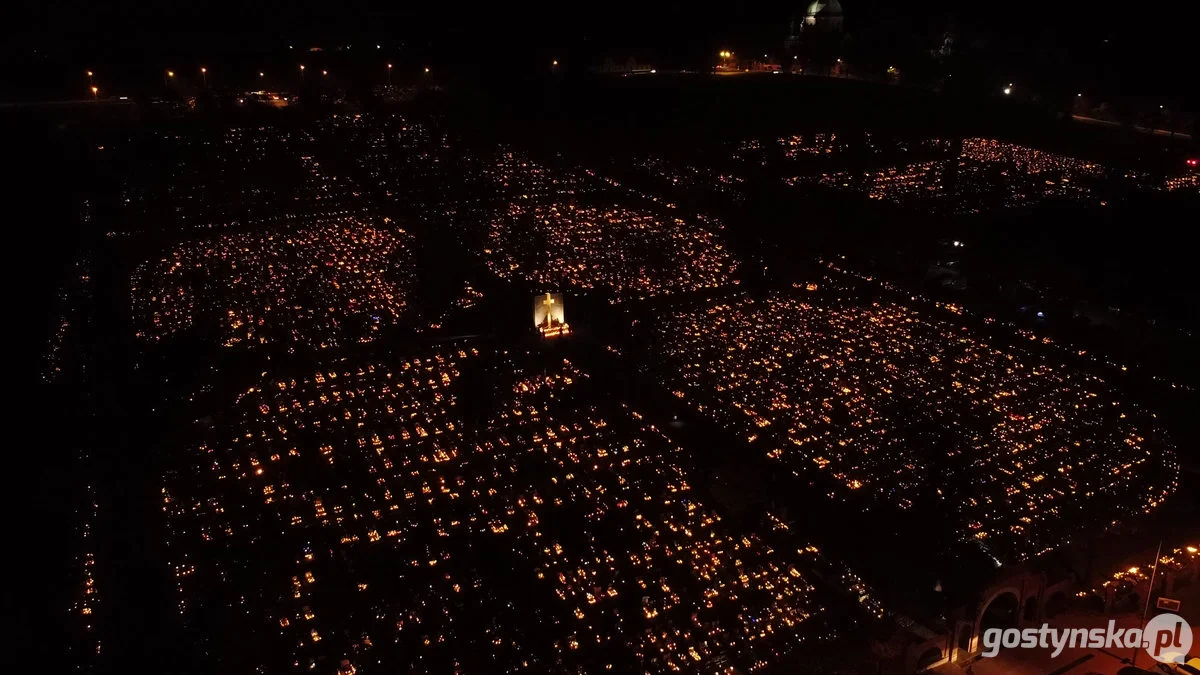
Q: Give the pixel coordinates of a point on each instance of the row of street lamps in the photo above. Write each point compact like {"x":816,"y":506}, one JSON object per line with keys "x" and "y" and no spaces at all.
{"x":169,"y":75}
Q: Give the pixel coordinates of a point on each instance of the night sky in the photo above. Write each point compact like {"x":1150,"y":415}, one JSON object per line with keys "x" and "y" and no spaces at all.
{"x":1143,"y":49}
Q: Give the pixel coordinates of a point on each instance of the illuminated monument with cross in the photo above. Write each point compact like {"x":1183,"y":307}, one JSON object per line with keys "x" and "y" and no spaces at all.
{"x":548,"y":315}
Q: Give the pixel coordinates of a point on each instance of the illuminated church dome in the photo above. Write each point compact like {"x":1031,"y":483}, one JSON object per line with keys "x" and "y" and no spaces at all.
{"x":816,"y":32}
{"x":824,"y":16}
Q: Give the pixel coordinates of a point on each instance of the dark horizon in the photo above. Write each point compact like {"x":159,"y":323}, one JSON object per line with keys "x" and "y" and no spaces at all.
{"x":1142,"y":54}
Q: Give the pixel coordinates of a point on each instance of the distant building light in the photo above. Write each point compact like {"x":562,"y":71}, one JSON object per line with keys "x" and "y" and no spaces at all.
{"x":1007,"y":91}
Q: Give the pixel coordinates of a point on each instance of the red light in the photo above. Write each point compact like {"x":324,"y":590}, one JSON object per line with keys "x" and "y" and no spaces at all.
{"x":1191,"y":162}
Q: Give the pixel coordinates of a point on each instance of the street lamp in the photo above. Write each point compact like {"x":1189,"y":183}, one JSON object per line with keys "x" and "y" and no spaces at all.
{"x":261,"y":74}
{"x":95,"y":92}
{"x":426,"y":69}
{"x":1149,"y":592}
{"x":389,"y":71}
{"x":324,"y":73}
{"x":204,"y":75}
{"x":90,"y":74}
